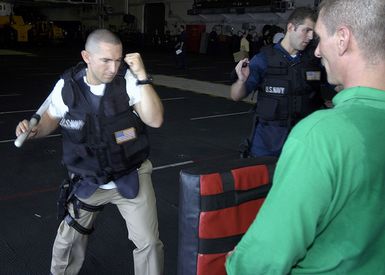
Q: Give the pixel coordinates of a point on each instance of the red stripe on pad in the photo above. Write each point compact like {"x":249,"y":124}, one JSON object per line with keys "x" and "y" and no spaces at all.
{"x":211,"y":264}
{"x":245,"y":178}
{"x":250,"y":177}
{"x":228,"y":222}
{"x":211,"y":184}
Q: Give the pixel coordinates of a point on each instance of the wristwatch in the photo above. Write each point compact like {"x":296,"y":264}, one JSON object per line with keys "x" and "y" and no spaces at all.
{"x":148,"y":80}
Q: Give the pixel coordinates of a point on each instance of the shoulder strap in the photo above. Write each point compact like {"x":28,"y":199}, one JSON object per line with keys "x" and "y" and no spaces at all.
{"x":71,"y":77}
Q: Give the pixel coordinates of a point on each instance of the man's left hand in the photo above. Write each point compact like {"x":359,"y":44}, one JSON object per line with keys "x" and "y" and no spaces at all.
{"x":134,"y":60}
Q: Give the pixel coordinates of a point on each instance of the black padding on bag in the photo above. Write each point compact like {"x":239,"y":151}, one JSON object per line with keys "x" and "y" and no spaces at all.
{"x":220,"y":245}
{"x":230,"y":199}
{"x":189,"y":201}
{"x":227,"y":181}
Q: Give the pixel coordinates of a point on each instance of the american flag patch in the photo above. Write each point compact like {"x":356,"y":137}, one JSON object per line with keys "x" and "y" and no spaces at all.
{"x":313,"y":75}
{"x":125,"y":135}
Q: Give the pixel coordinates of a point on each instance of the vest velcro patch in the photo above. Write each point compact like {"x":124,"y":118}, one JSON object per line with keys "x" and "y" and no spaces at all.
{"x":125,"y":135}
{"x":313,"y":75}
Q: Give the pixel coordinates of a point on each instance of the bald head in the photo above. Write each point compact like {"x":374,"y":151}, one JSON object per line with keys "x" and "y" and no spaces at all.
{"x":98,"y":36}
{"x":366,"y":20}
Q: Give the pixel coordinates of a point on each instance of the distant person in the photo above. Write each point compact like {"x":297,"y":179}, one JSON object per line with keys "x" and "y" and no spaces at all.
{"x":235,"y":41}
{"x":244,"y":45}
{"x":266,"y":34}
{"x":287,"y":78}
{"x":180,"y":49}
{"x":269,"y":31}
{"x":212,"y":45}
{"x":325,"y":211}
{"x":256,"y":44}
{"x":103,"y":112}
{"x":156,"y":40}
{"x":168,"y":40}
{"x":278,"y":37}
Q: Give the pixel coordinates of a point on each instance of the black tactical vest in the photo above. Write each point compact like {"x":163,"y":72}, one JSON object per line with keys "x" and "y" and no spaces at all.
{"x":102,"y":136}
{"x":290,"y":90}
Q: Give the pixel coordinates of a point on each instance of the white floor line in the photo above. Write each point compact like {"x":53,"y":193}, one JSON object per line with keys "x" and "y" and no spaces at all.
{"x":221,"y":81}
{"x":12,"y":140}
{"x":41,"y":73}
{"x":222,"y":115}
{"x":197,"y":86}
{"x":202,"y":68}
{"x":16,"y":112}
{"x":29,"y":111}
{"x":172,"y":98}
{"x":11,"y":52}
{"x":173,"y":165}
{"x":164,"y":64}
{"x":9,"y":95}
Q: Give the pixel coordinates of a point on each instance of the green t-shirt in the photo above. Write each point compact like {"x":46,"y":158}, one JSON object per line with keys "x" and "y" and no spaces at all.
{"x":325,"y":213}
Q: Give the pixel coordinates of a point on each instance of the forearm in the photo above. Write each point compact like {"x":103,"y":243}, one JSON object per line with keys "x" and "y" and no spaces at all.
{"x":238,"y":90}
{"x":46,"y":125}
{"x":150,"y":108}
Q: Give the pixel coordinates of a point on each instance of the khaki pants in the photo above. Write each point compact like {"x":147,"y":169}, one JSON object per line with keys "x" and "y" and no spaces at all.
{"x":142,"y":223}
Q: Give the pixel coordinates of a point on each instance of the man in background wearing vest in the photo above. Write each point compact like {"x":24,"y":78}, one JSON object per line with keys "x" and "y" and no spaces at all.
{"x":287,"y":78}
{"x":325,"y":211}
{"x":103,"y":106}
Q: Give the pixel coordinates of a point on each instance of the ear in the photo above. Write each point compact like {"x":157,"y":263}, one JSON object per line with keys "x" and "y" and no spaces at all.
{"x":344,"y":36}
{"x":290,"y":27}
{"x":85,"y":56}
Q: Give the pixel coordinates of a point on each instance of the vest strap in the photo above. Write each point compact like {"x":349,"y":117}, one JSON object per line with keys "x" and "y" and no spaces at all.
{"x":78,"y":204}
{"x":75,"y":225}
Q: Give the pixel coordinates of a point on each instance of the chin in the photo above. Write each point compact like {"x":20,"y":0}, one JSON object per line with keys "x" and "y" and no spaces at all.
{"x":108,"y":80}
{"x":332,"y":81}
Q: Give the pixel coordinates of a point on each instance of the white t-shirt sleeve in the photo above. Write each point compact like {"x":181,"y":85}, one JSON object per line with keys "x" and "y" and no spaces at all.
{"x":133,"y":90}
{"x":57,"y":108}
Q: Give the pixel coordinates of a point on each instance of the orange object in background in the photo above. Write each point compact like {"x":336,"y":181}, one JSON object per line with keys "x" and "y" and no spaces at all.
{"x":194,"y":34}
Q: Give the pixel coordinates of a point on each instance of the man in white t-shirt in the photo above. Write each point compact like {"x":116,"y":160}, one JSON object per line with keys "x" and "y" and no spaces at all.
{"x":103,"y":106}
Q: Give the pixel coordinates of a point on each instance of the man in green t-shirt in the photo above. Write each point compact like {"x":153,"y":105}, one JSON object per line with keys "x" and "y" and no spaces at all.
{"x":325,"y":211}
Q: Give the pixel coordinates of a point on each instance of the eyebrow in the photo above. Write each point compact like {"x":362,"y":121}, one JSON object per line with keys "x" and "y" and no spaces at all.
{"x":110,"y":59}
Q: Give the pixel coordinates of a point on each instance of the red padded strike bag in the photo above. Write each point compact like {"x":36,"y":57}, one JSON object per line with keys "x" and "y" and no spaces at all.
{"x":217,"y":204}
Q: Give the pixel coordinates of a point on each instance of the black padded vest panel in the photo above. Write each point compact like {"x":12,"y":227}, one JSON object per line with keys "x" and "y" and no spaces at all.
{"x":102,"y":136}
{"x":290,"y":90}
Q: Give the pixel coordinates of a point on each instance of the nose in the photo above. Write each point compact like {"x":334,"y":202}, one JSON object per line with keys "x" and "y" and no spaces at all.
{"x":114,"y":66}
{"x":317,"y":51}
{"x":310,"y":35}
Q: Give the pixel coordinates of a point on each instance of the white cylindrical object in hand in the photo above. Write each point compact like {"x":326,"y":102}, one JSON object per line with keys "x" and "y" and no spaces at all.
{"x":23,"y":136}
{"x":33,"y":122}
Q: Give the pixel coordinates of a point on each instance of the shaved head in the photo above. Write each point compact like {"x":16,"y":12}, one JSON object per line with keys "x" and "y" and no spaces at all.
{"x":98,"y":36}
{"x":103,"y":56}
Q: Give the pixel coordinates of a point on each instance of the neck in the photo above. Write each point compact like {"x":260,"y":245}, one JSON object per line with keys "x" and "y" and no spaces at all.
{"x":368,"y":75}
{"x":286,"y":45}
{"x":90,"y":80}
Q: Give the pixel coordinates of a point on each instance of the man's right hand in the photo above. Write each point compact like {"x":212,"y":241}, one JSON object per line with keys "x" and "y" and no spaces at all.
{"x":242,"y":69}
{"x":23,"y":127}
